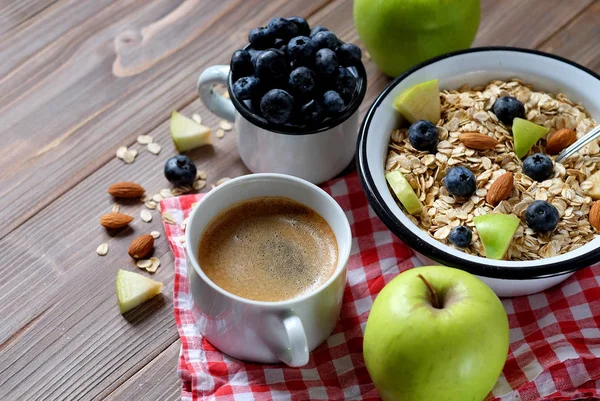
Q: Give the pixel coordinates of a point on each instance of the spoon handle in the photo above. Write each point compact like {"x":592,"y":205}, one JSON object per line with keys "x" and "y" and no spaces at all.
{"x":580,"y":143}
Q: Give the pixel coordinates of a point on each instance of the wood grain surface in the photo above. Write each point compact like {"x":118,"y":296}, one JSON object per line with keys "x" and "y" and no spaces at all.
{"x":80,"y":78}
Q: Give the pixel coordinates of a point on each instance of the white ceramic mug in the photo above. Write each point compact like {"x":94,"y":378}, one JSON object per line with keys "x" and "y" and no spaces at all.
{"x":315,"y":155}
{"x":267,"y":332}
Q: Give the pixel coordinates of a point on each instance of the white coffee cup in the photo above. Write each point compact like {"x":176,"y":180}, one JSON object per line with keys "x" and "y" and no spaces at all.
{"x":267,"y":332}
{"x":315,"y":155}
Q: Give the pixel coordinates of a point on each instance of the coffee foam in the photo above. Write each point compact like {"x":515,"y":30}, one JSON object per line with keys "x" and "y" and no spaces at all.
{"x":268,"y":249}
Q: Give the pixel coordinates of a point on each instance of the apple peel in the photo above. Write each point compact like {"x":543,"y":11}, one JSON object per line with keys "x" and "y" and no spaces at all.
{"x":496,"y":232}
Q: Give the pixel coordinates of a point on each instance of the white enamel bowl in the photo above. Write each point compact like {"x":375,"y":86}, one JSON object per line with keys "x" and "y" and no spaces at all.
{"x":475,"y":67}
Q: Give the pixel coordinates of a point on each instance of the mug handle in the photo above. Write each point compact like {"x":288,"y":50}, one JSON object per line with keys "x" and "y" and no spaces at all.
{"x":297,"y":352}
{"x":219,"y":105}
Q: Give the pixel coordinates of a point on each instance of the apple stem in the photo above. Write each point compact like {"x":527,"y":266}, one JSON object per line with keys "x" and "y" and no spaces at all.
{"x":434,"y":298}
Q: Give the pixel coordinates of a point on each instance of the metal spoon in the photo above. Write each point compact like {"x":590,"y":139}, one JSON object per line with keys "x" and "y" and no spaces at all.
{"x":580,"y":143}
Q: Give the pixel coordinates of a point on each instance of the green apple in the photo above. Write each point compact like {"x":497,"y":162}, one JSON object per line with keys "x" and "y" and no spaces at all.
{"x":404,"y":192}
{"x":526,"y":134}
{"x":496,"y":232}
{"x":435,"y":333}
{"x":134,"y":289}
{"x":401,"y":33}
{"x":187,"y":134}
{"x":420,"y":102}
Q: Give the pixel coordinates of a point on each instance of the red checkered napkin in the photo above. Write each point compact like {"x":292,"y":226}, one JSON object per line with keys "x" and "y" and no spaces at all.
{"x":555,"y":335}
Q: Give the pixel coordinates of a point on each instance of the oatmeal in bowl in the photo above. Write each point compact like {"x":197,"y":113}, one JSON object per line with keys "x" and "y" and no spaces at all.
{"x":457,"y":158}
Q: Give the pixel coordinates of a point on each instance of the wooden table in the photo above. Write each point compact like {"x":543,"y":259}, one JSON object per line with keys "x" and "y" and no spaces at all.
{"x":79,"y":79}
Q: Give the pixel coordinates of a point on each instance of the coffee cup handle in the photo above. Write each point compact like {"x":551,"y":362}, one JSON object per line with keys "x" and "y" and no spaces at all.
{"x":297,"y":352}
{"x":218,"y":104}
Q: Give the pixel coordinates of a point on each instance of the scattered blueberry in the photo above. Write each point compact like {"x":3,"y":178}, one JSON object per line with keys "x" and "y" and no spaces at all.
{"x":326,"y":62}
{"x":302,"y":82}
{"x":241,"y":64}
{"x":317,"y":29}
{"x":349,"y":55}
{"x":325,"y":40}
{"x":271,"y":67}
{"x":246,"y":88}
{"x":301,"y":24}
{"x":345,"y":84}
{"x":507,"y":108}
{"x":276,"y":106}
{"x":180,"y":170}
{"x":282,"y":28}
{"x":260,"y":38}
{"x":538,"y":167}
{"x":541,"y":216}
{"x":312,"y":112}
{"x":423,"y":135}
{"x":332,"y":102}
{"x":461,"y":236}
{"x":301,"y":49}
{"x":460,"y":181}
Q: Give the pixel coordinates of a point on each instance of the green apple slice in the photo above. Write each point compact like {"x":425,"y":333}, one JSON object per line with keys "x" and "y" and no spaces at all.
{"x":420,"y":102}
{"x":188,"y":134}
{"x":496,"y":232}
{"x":134,"y":289}
{"x":404,"y":192}
{"x":594,"y":192}
{"x":526,"y":134}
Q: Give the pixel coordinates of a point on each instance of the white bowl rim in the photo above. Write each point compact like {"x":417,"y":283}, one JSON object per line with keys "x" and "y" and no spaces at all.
{"x":437,"y":253}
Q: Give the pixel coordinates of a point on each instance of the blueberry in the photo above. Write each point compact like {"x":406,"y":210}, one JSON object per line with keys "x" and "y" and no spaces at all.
{"x":282,"y":28}
{"x":325,"y":40}
{"x":461,"y":236}
{"x":253,"y":56}
{"x":301,"y":24}
{"x":541,"y":216}
{"x":241,"y":64}
{"x":332,"y":102}
{"x":312,"y":113}
{"x":276,"y":106}
{"x":538,"y":167}
{"x":260,"y":38}
{"x":326,"y":62}
{"x":460,"y":181}
{"x":317,"y":29}
{"x":246,"y":88}
{"x":349,"y":54}
{"x":423,"y":135}
{"x":345,"y":84}
{"x":271,"y":67}
{"x":507,"y":109}
{"x":301,"y":49}
{"x":180,"y":170}
{"x":302,"y":82}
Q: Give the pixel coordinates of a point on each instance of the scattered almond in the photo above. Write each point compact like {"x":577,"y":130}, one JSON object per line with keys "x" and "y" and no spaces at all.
{"x":155,"y":234}
{"x":560,"y":140}
{"x":501,"y":189}
{"x":476,"y":140}
{"x":114,"y":220}
{"x":595,"y":215}
{"x":143,"y":263}
{"x":154,"y":148}
{"x":225,"y":125}
{"x":146,"y":216}
{"x":126,"y":189}
{"x":168,"y":218}
{"x":102,"y":249}
{"x":141,"y":246}
{"x":144,"y":139}
{"x":154,"y":266}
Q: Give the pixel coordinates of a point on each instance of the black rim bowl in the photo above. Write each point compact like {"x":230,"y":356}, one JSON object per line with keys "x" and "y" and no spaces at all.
{"x":438,"y":254}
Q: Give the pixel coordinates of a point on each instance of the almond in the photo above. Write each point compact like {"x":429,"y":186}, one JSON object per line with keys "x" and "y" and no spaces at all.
{"x":560,"y":140}
{"x":501,"y":189}
{"x":595,"y":215}
{"x":115,"y":220}
{"x":126,"y":190}
{"x":141,"y":246}
{"x":476,"y":140}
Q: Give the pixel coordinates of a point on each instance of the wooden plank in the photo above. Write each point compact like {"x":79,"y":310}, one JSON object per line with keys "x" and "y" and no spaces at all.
{"x":105,"y":81}
{"x":579,"y":39}
{"x":156,"y":381}
{"x":15,"y":13}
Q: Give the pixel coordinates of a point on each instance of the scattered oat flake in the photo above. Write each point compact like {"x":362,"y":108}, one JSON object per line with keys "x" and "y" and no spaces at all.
{"x":154,"y":148}
{"x":184,"y":224}
{"x":197,"y":118}
{"x":155,"y":234}
{"x":150,"y":204}
{"x":129,"y":156}
{"x":181,"y":239}
{"x":225,"y":125}
{"x":220,"y":133}
{"x":168,"y":218}
{"x":201,"y":175}
{"x":116,"y":208}
{"x":157,"y":198}
{"x":146,"y":216}
{"x":226,"y":94}
{"x":144,"y":198}
{"x":144,"y":263}
{"x":144,"y":139}
{"x":121,"y":152}
{"x":198,"y":185}
{"x":134,"y":152}
{"x":223,"y":180}
{"x":154,"y":266}
{"x":102,"y":249}
{"x":166,"y":193}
